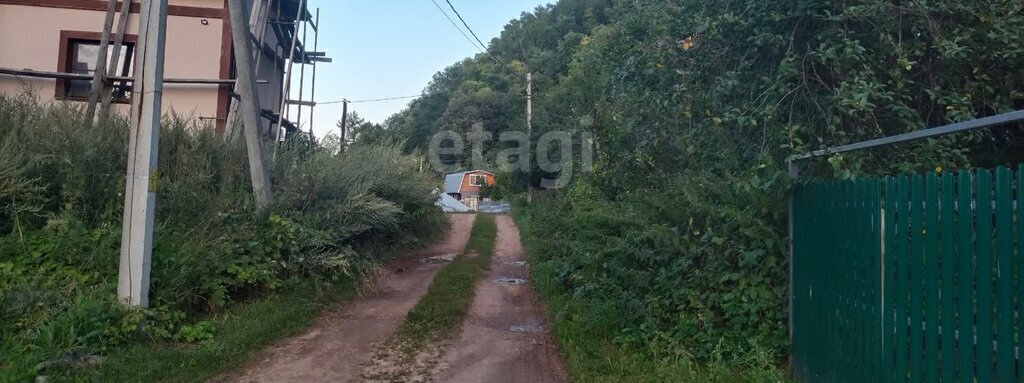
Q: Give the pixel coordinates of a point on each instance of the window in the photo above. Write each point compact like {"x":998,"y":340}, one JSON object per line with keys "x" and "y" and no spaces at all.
{"x":81,"y":57}
{"x":477,"y":180}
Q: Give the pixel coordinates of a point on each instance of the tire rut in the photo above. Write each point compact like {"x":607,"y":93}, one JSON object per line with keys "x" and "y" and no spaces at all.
{"x":338,"y":343}
{"x":506,"y":336}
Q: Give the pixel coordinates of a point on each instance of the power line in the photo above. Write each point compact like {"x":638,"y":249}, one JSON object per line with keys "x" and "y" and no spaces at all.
{"x":495,"y":58}
{"x":471,"y":42}
{"x":385,"y":99}
{"x":367,"y":100}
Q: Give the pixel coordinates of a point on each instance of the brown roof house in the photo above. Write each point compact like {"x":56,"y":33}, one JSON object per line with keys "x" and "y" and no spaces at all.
{"x":465,"y":186}
{"x":42,"y":41}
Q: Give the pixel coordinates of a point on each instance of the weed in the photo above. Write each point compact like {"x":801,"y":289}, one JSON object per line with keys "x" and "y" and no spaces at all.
{"x":605,"y":331}
{"x":61,"y":196}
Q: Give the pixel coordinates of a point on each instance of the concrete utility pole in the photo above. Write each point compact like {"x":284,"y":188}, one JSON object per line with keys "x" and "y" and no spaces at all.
{"x":259,"y":17}
{"x":529,"y":137}
{"x":249,"y":104}
{"x":143,"y":143}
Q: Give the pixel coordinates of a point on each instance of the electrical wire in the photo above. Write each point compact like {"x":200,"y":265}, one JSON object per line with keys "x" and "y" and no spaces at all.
{"x":367,"y":100}
{"x":495,"y":58}
{"x":482,"y":47}
{"x":471,"y":42}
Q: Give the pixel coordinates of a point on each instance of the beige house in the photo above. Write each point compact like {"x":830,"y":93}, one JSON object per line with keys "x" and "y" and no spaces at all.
{"x":63,"y":36}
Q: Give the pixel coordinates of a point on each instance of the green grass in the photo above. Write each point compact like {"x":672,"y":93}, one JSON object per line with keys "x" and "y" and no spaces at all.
{"x":240,"y":332}
{"x":442,"y":308}
{"x":227,"y":278}
{"x":584,"y":329}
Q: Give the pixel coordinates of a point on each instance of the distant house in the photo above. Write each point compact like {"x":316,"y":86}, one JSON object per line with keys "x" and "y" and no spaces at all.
{"x":465,"y":186}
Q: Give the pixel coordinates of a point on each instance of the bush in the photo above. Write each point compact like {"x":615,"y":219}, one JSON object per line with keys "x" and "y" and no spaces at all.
{"x":685,"y":270}
{"x":61,"y":196}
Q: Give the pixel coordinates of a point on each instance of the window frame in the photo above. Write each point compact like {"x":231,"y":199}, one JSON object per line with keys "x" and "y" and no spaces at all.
{"x":474,"y":177}
{"x":67,"y":39}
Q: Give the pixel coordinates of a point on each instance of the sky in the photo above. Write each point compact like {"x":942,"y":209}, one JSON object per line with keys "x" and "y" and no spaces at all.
{"x":392,"y":48}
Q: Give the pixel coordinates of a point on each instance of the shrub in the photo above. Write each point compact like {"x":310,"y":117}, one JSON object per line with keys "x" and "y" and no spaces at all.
{"x":688,"y":268}
{"x":61,"y":195}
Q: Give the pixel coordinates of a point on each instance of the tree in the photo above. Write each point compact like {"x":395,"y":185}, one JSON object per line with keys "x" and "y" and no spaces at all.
{"x":359,"y":130}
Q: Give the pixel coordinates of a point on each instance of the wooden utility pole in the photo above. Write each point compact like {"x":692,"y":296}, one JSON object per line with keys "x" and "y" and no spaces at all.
{"x":344,"y":121}
{"x":106,"y":91}
{"x":529,"y":138}
{"x":143,"y":143}
{"x":101,"y":63}
{"x":249,"y":103}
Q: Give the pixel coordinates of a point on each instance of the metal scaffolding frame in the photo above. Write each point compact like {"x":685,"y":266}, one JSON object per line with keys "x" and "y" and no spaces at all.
{"x":288,"y":30}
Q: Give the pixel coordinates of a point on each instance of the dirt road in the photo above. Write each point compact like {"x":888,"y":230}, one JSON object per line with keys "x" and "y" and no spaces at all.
{"x":505,"y":337}
{"x":335,"y":347}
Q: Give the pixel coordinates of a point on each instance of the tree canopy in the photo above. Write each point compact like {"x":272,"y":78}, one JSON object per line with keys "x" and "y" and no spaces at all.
{"x":694,"y":106}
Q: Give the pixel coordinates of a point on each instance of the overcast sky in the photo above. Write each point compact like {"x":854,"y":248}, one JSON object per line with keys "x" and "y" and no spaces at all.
{"x":390,"y":48}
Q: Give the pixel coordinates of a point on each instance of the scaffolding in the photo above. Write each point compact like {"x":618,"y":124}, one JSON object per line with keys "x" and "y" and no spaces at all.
{"x":286,"y":18}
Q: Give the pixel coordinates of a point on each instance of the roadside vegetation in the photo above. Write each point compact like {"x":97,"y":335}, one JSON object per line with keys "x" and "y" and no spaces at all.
{"x":595,"y":310}
{"x":670,"y":250}
{"x":226,"y":279}
{"x":422,"y":338}
{"x":234,"y":335}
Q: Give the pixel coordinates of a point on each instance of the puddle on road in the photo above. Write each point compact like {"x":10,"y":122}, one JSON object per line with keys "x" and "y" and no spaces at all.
{"x":525,"y":328}
{"x":510,"y":281}
{"x":516,"y":263}
{"x":436,"y":260}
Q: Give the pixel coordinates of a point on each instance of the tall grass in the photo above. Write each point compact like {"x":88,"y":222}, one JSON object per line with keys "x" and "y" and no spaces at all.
{"x":637,"y":293}
{"x":61,"y":195}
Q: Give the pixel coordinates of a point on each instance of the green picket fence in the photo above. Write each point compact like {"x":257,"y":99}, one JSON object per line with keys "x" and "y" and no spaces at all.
{"x":909,"y":279}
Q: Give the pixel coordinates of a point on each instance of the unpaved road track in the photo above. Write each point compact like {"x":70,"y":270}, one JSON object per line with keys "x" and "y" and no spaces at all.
{"x":505,"y":337}
{"x":335,"y":347}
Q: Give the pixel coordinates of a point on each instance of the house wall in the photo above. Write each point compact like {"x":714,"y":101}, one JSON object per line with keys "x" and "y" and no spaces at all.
{"x":468,"y":188}
{"x":30,"y":39}
{"x":271,"y":70}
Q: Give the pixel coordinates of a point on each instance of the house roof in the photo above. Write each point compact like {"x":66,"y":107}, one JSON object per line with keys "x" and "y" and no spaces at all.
{"x":450,"y":205}
{"x":453,"y":182}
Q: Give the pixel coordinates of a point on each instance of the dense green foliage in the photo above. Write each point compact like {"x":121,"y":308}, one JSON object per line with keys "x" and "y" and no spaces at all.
{"x":694,"y":106}
{"x":686,"y":268}
{"x":61,"y":188}
{"x":583,"y":326}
